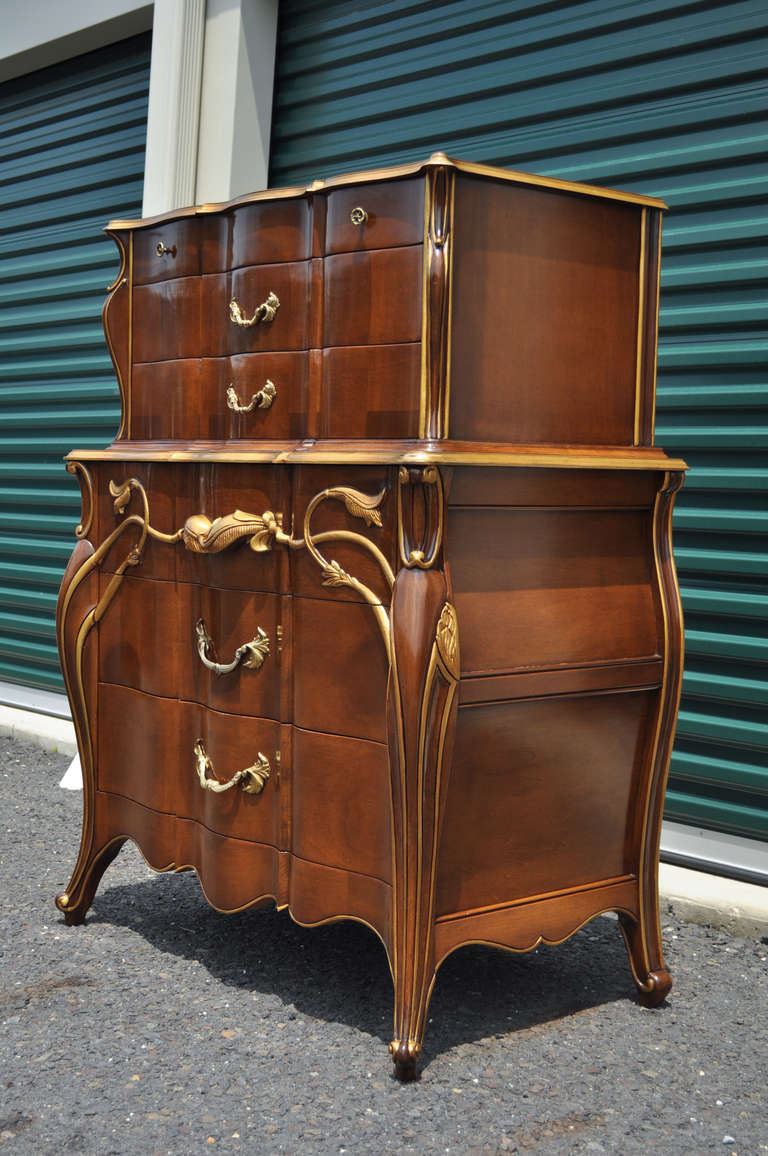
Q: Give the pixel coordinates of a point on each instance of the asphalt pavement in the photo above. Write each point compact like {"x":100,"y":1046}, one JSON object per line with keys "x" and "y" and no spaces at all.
{"x":162,"y":1027}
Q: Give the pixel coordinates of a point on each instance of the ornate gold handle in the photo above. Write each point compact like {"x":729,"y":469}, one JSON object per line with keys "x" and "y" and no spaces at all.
{"x":264,"y":312}
{"x":251,"y":779}
{"x":250,"y":654}
{"x":358,"y":216}
{"x":261,"y":400}
{"x":162,"y":250}
{"x":200,"y":535}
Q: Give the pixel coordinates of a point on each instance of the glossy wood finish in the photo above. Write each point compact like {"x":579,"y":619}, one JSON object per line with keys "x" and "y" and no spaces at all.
{"x":395,"y":216}
{"x":534,"y":308}
{"x":474,"y":645}
{"x":187,"y":399}
{"x":558,"y":276}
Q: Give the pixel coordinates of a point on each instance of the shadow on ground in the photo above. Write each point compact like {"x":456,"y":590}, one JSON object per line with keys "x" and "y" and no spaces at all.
{"x":338,"y":972}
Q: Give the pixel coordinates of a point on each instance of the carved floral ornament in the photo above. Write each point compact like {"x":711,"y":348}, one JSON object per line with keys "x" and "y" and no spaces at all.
{"x":419,"y":527}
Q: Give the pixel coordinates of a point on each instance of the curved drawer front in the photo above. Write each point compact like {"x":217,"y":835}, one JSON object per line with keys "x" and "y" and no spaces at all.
{"x":167,"y":320}
{"x":373,"y":298}
{"x":269,"y":232}
{"x":375,"y":216}
{"x":167,"y":251}
{"x":188,"y":399}
{"x":158,"y":767}
{"x":190,"y":316}
{"x":371,"y":391}
{"x":149,"y":641}
{"x":177,"y":492}
{"x":217,"y":491}
{"x":252,"y":287}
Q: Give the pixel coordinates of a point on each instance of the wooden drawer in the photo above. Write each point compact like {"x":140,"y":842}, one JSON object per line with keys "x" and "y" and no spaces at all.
{"x":395,"y":216}
{"x":190,"y":316}
{"x":157,"y":767}
{"x":217,"y":490}
{"x":370,"y":391}
{"x":340,"y":669}
{"x":546,"y":588}
{"x":373,"y":298}
{"x":187,"y":399}
{"x":271,"y":232}
{"x":266,"y":233}
{"x":232,"y":618}
{"x":153,"y":262}
{"x":251,"y":287}
{"x":167,"y":320}
{"x":341,"y":813}
{"x":148,"y":641}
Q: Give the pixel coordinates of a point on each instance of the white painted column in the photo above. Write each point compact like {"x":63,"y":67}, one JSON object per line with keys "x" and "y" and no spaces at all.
{"x":173,"y":121}
{"x":210,"y":101}
{"x":236,"y":98}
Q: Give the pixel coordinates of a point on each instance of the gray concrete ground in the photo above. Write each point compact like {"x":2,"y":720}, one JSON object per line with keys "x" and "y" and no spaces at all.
{"x":163,"y":1027}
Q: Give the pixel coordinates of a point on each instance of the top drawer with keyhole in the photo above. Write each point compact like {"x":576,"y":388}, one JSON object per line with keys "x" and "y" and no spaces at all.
{"x":379,"y":215}
{"x":166,"y":251}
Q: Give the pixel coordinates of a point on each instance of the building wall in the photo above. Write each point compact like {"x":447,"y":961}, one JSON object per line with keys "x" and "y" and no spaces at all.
{"x":666,"y":99}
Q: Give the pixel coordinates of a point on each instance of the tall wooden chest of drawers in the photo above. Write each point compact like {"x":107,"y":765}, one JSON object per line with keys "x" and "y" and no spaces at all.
{"x":373,"y":613}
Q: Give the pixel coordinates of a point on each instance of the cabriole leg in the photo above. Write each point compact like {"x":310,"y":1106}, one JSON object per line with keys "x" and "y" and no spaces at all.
{"x":646,"y":960}
{"x":91,"y":865}
{"x":421,"y":707}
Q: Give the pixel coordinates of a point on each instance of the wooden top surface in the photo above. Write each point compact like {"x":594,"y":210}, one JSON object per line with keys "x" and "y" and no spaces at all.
{"x":437,"y":160}
{"x":413,"y":453}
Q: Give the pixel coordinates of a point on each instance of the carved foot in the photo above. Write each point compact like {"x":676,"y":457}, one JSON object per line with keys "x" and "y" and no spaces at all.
{"x":653,"y":981}
{"x":659,"y":985}
{"x":75,"y":901}
{"x":405,"y":1057}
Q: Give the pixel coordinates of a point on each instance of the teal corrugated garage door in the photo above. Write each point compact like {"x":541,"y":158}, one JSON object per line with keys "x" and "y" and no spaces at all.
{"x":71,"y":155}
{"x":669,"y":99}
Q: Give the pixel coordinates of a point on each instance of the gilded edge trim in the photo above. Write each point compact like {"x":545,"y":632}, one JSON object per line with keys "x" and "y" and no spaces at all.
{"x":425,"y":252}
{"x":640,"y":324}
{"x":437,"y":253}
{"x":86,"y":488}
{"x":669,"y":593}
{"x":443,"y":661}
{"x":534,"y":944}
{"x":492,"y":172}
{"x":656,"y":336}
{"x":129,"y":393}
{"x":446,"y":430}
{"x":120,"y":280}
{"x":318,"y":454}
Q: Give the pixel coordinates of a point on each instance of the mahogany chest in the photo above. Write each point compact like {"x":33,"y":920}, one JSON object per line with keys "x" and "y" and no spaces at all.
{"x":373,"y":613}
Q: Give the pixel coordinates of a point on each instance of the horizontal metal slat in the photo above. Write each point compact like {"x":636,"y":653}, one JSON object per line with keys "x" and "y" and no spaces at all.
{"x":28,"y":598}
{"x":747,"y":732}
{"x":716,"y":814}
{"x":737,"y":562}
{"x":731,"y":521}
{"x":703,"y":397}
{"x":32,"y":674}
{"x":721,"y":686}
{"x":27,"y":626}
{"x":728,"y":645}
{"x":698,"y":765}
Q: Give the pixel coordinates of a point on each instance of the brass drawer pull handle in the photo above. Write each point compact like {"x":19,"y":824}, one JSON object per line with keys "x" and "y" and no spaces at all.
{"x":264,"y":312}
{"x":162,"y":250}
{"x":358,"y":216}
{"x":261,"y":400}
{"x":250,"y":654}
{"x":251,"y":779}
